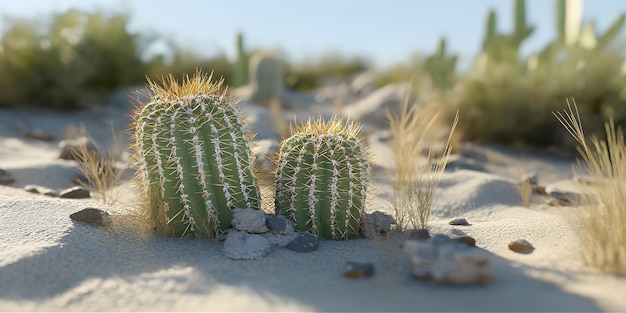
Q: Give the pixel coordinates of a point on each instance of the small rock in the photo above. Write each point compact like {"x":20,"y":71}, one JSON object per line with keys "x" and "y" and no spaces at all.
{"x":304,"y":242}
{"x":240,"y":245}
{"x":76,"y":192}
{"x":279,"y":224}
{"x":377,"y":222}
{"x":466,"y":240}
{"x":249,"y":220}
{"x":358,"y":269}
{"x":419,"y":235}
{"x":530,"y":178}
{"x":37,"y":135}
{"x":444,"y":260}
{"x":5,"y":177}
{"x":539,"y":190}
{"x":521,"y":246}
{"x":459,"y":222}
{"x":40,"y":190}
{"x":71,"y":149}
{"x":92,"y":216}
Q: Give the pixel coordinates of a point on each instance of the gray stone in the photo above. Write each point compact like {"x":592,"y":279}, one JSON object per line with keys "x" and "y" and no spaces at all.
{"x":304,"y":242}
{"x":41,"y":190}
{"x":5,"y":177}
{"x":466,"y":240}
{"x":459,"y":222}
{"x":76,"y":192}
{"x":566,"y":192}
{"x":377,"y":222}
{"x":240,"y":245}
{"x":92,"y":216}
{"x":358,"y":269}
{"x":249,"y":220}
{"x":279,"y":224}
{"x":419,"y":234}
{"x":37,"y":135}
{"x":71,"y":149}
{"x":447,"y":261}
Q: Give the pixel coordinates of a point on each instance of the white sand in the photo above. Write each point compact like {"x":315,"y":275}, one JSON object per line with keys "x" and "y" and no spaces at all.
{"x":48,"y":262}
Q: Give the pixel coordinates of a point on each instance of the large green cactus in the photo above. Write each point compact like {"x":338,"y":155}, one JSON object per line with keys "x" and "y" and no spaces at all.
{"x":266,"y":77}
{"x":194,"y":156}
{"x":321,"y":178}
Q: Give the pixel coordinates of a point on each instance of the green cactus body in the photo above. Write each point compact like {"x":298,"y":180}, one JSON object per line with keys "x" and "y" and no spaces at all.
{"x":195,"y":159}
{"x":321,"y":179}
{"x":240,"y":68}
{"x":266,"y":77}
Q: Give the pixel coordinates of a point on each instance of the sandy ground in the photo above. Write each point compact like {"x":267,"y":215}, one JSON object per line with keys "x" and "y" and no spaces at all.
{"x":50,"y":263}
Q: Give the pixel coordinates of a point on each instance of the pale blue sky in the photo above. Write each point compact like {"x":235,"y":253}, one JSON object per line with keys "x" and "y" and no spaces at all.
{"x":385,"y":31}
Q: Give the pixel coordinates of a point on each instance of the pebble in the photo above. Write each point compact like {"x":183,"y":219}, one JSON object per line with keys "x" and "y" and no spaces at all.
{"x":37,"y":135}
{"x":377,"y":222}
{"x":304,"y":242}
{"x":5,"y":177}
{"x":358,"y":269}
{"x":76,"y":192}
{"x":240,"y":245}
{"x":249,"y":220}
{"x":92,"y":216}
{"x":279,"y":224}
{"x":466,"y":240}
{"x":419,"y":235}
{"x":521,"y":246}
{"x":41,"y":190}
{"x":71,"y":149}
{"x":459,"y":222}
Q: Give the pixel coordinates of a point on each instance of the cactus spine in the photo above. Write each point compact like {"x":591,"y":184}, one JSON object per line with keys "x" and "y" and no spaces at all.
{"x":266,"y":77}
{"x":321,"y":178}
{"x":194,"y":157}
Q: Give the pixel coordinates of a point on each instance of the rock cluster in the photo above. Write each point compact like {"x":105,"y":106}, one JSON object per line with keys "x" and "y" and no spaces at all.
{"x":255,"y":233}
{"x":445,"y":260}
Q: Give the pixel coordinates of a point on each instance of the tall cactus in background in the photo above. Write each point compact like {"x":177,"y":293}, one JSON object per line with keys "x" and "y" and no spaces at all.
{"x":194,"y":157}
{"x":321,"y":178}
{"x":441,"y":67}
{"x":505,"y":47}
{"x":240,"y":69}
{"x":266,"y":77}
{"x":570,"y":31}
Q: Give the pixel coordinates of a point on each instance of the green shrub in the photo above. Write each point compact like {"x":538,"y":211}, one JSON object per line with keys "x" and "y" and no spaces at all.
{"x":71,"y":59}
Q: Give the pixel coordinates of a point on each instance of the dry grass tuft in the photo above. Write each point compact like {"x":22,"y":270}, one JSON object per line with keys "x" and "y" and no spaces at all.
{"x":525,"y":190}
{"x":98,"y":169}
{"x":603,"y":230}
{"x":415,"y":182}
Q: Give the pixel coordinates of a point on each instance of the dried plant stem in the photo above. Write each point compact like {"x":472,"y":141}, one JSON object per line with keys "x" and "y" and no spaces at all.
{"x":603,"y":229}
{"x":415,"y":183}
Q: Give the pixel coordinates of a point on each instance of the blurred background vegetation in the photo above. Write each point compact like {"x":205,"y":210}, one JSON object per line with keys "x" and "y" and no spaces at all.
{"x":76,"y":59}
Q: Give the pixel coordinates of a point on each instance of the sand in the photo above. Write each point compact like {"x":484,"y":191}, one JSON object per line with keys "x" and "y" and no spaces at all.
{"x":50,"y":263}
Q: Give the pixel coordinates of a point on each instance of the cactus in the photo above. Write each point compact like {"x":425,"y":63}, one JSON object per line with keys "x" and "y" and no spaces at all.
{"x":441,"y":67}
{"x":194,"y":157}
{"x":521,"y":31}
{"x":266,"y":77}
{"x":321,"y":178}
{"x":505,"y":47}
{"x":240,"y":69}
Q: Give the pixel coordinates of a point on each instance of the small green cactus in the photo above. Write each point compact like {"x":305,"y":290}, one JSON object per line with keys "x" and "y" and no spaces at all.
{"x":322,"y":176}
{"x":266,"y":77}
{"x":441,"y":67}
{"x":194,"y":157}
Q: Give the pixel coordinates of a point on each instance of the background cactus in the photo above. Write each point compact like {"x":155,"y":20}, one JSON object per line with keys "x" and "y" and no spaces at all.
{"x":266,"y":77}
{"x":321,"y":178}
{"x":441,"y":67}
{"x":194,"y":157}
{"x":240,"y":68}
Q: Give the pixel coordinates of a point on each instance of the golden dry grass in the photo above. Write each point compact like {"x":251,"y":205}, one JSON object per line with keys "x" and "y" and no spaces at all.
{"x":603,"y":231}
{"x":98,"y":168}
{"x":415,"y":182}
{"x":525,"y":190}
